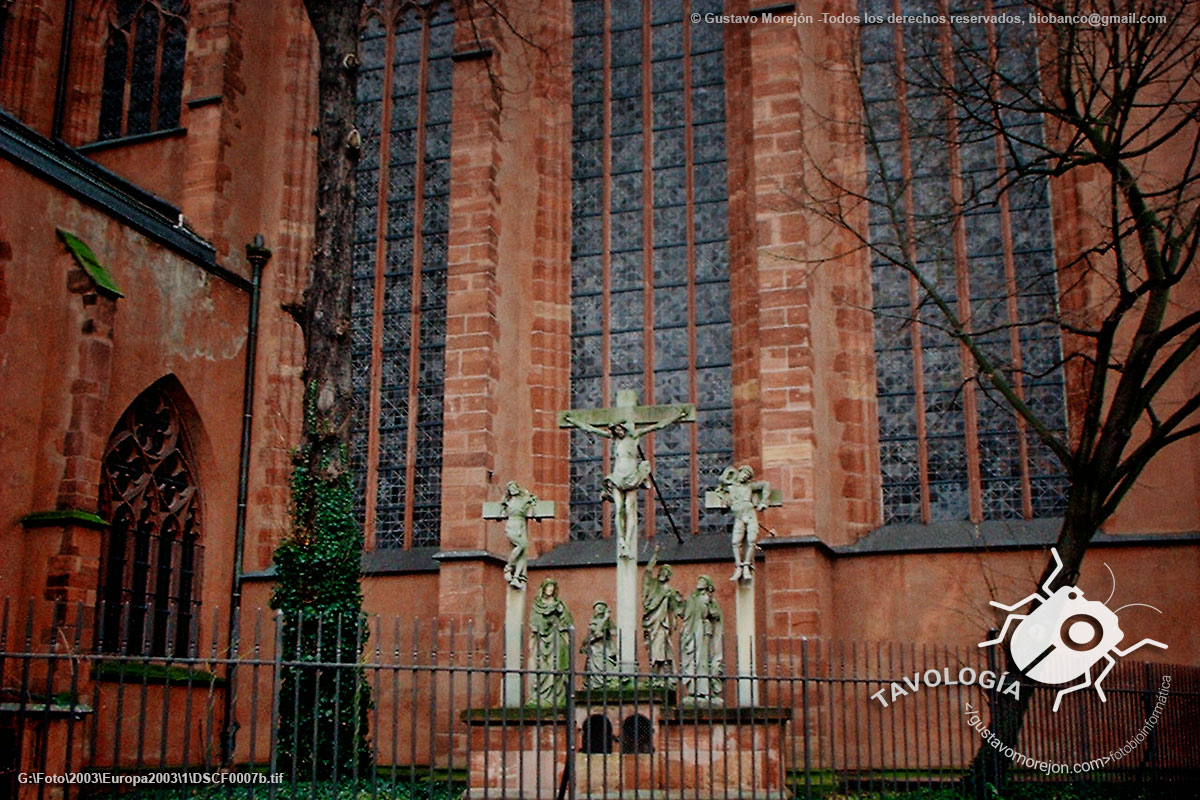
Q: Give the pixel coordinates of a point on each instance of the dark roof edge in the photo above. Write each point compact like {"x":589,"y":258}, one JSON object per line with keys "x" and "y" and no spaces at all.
{"x":111,"y":194}
{"x":990,"y":535}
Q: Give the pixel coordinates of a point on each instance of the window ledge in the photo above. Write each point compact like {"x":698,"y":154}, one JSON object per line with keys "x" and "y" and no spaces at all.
{"x":122,"y":671}
{"x":138,"y":138}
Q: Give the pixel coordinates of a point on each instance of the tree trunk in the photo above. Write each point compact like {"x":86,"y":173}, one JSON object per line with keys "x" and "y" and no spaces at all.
{"x":989,"y":767}
{"x":325,"y":316}
{"x":324,"y":732}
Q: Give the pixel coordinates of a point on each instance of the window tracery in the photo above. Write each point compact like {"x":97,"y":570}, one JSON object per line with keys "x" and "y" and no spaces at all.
{"x":149,"y":494}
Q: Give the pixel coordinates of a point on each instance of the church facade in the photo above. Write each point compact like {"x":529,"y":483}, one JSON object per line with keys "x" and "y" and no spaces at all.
{"x":556,"y":204}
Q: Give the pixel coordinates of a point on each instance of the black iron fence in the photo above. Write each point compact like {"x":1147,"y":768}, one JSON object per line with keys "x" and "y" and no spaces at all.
{"x":427,"y":717}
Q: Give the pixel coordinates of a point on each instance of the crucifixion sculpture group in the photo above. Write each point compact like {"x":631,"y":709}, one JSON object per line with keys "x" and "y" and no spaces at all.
{"x":609,"y":646}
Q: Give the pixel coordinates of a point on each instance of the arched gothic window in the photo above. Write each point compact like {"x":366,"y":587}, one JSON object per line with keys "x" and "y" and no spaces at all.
{"x":143,"y":67}
{"x":149,"y":494}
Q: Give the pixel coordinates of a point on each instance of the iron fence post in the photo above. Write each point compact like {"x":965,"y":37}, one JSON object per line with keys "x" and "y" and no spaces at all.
{"x":569,"y":710}
{"x":276,"y":679}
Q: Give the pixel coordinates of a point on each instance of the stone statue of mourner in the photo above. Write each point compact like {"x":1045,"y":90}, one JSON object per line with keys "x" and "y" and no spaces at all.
{"x":630,"y":471}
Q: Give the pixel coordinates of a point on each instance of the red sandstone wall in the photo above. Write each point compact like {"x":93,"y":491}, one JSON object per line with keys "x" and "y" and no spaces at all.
{"x":175,"y":319}
{"x":244,"y":166}
{"x":804,"y":408}
{"x":942,"y":598}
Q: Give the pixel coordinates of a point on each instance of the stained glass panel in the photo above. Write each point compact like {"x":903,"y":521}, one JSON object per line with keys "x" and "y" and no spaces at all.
{"x":1005,"y":485}
{"x":685,"y":355}
{"x":142,"y":85}
{"x":406,"y":503}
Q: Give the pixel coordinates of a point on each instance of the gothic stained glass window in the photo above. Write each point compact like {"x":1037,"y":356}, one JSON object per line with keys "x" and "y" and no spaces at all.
{"x":948,"y":448}
{"x":148,"y":492}
{"x":5,"y":14}
{"x":650,"y":252}
{"x":401,"y":233}
{"x":143,"y":67}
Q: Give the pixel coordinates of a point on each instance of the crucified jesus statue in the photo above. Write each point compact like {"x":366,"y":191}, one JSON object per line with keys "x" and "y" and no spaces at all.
{"x":630,"y":471}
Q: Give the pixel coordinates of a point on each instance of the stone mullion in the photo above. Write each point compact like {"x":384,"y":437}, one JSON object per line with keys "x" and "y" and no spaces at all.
{"x":914,"y":290}
{"x":649,"y":525}
{"x":785,"y":358}
{"x":1016,"y":374}
{"x":472,"y":363}
{"x":414,"y":336}
{"x":606,"y":242}
{"x":962,"y":279}
{"x":127,"y":89}
{"x":689,"y":189}
{"x":550,"y":351}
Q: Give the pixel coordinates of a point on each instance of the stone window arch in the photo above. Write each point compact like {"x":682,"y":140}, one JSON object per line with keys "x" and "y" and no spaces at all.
{"x":144,"y":48}
{"x":597,"y":735}
{"x":637,"y":734}
{"x":149,"y":580}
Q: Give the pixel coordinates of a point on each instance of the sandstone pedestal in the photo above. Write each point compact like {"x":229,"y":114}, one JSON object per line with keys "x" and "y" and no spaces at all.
{"x":628,"y":750}
{"x":747,"y":684}
{"x":514,"y":628}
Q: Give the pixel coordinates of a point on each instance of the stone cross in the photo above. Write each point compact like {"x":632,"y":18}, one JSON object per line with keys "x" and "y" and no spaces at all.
{"x":626,"y":423}
{"x":745,"y":497}
{"x":516,"y":509}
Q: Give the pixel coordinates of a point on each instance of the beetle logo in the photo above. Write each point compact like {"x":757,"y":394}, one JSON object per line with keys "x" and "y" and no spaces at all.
{"x":1065,"y":636}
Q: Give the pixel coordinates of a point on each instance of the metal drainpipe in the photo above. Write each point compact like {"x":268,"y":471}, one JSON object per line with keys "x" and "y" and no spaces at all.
{"x":64,"y":66}
{"x":258,"y":256}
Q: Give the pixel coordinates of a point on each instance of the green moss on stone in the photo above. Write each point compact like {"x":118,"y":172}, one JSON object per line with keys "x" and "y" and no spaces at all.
{"x":63,"y":516}
{"x":90,"y":264}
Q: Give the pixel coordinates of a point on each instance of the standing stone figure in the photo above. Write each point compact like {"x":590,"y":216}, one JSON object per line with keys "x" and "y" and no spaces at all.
{"x":630,"y":471}
{"x":517,"y":506}
{"x":600,"y":648}
{"x":660,"y":616}
{"x":702,"y":643}
{"x":746,"y":497}
{"x":550,"y":647}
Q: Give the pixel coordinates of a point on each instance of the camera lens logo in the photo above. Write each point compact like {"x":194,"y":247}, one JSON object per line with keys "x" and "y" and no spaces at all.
{"x":1062,"y":639}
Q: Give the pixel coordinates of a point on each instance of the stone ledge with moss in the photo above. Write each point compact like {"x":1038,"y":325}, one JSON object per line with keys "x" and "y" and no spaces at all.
{"x":720,"y":715}
{"x":514,"y":715}
{"x":64,"y":516}
{"x":639,"y":692}
{"x":139,"y":672}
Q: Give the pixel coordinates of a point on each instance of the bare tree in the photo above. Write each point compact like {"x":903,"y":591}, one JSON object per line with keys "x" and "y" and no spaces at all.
{"x":319,"y":563}
{"x":1100,"y":101}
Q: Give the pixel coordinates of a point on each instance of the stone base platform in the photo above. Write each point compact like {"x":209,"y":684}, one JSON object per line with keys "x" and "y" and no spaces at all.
{"x":635,"y":750}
